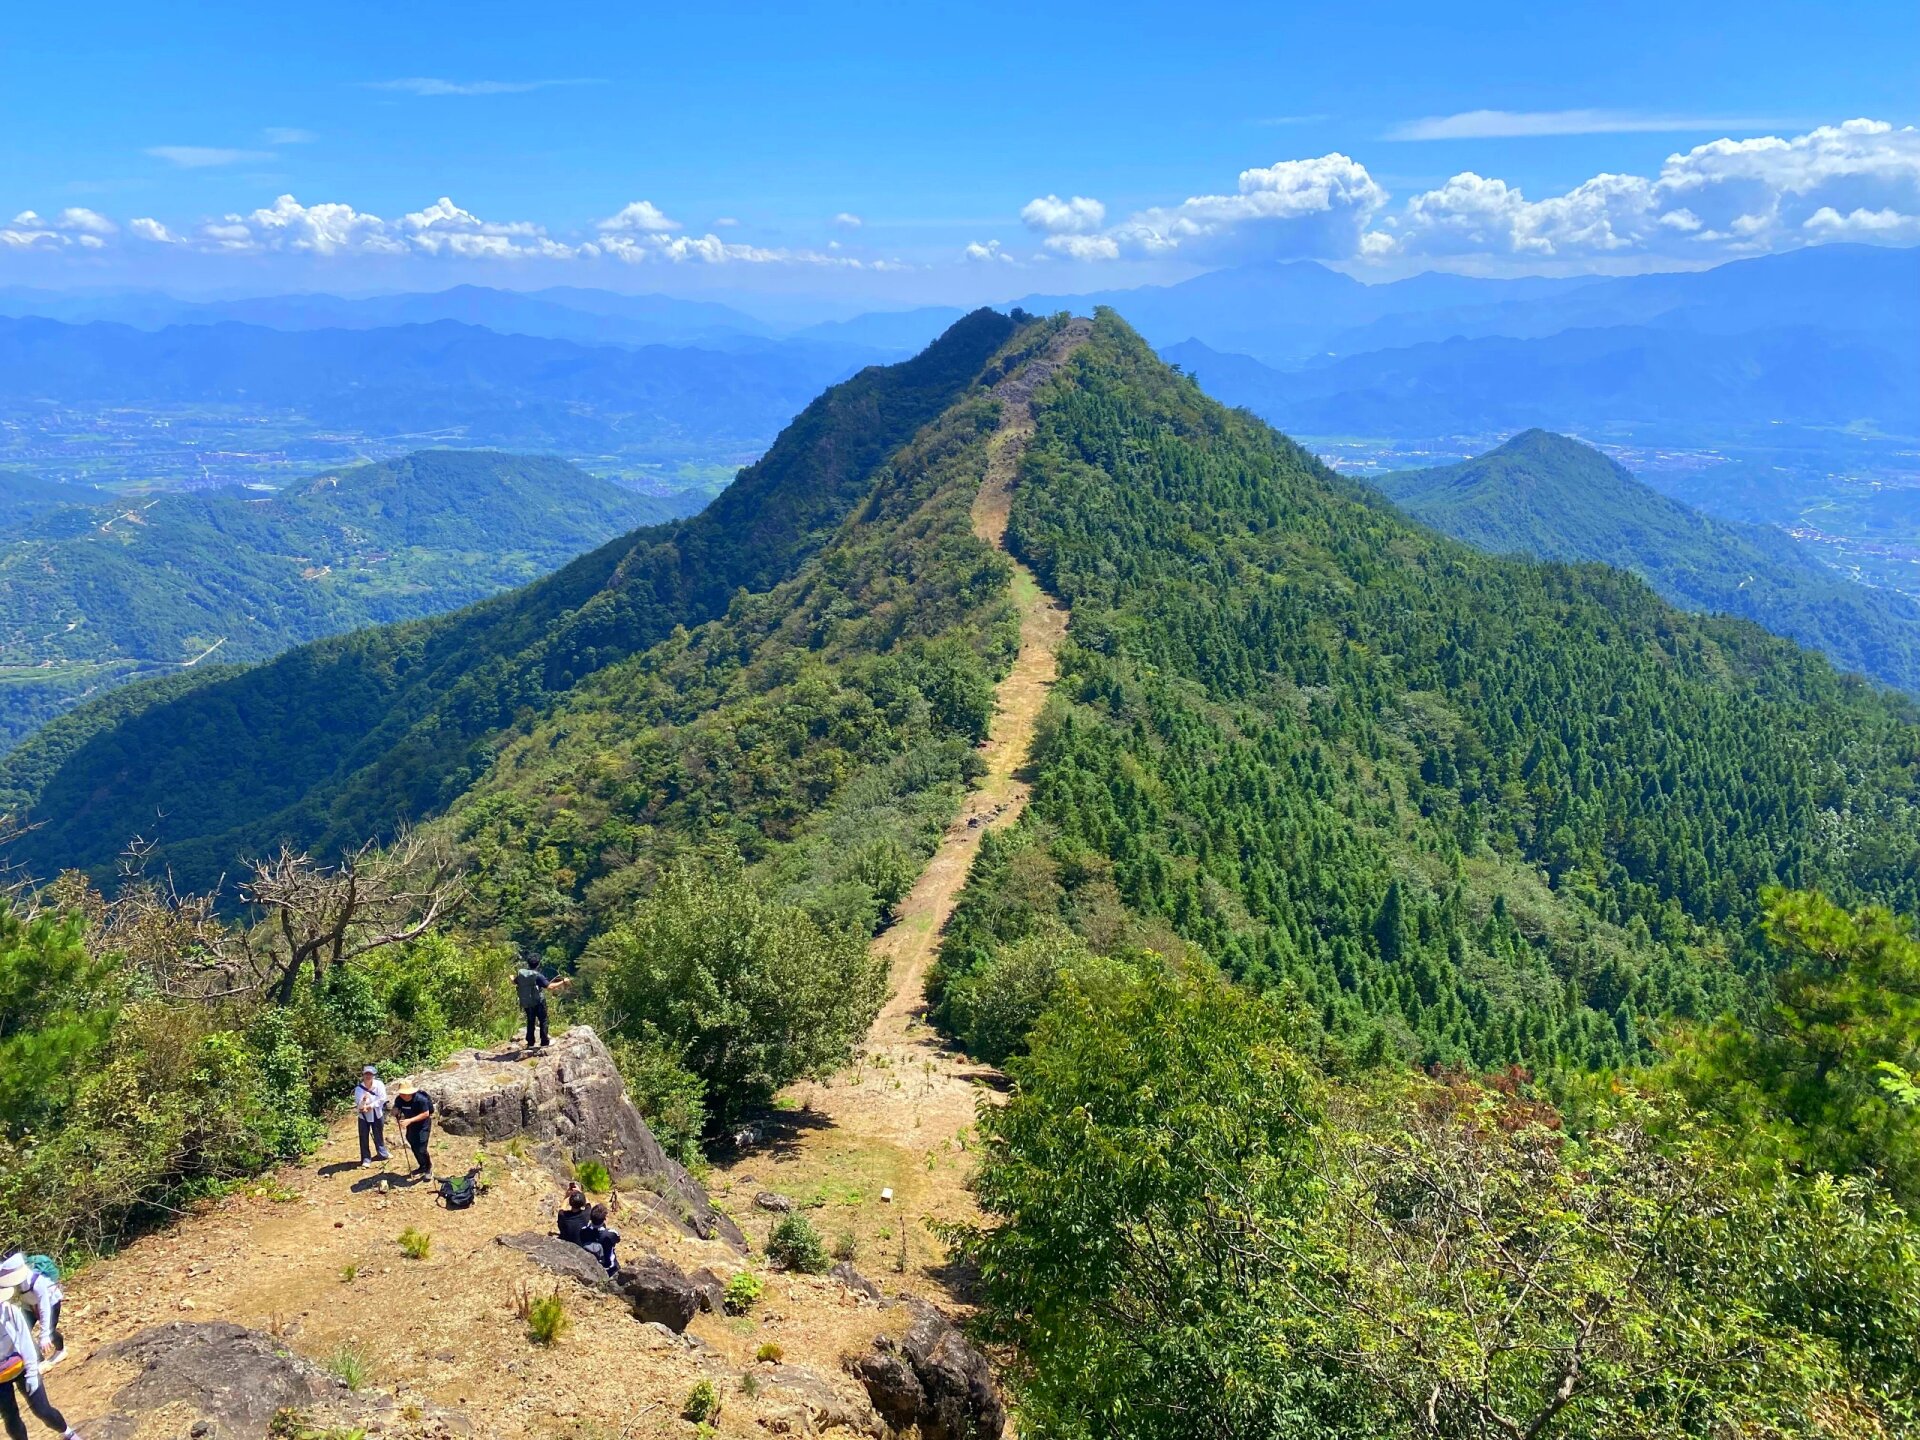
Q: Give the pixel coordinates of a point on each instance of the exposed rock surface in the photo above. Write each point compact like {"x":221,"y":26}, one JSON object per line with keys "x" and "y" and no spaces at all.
{"x":562,"y":1257}
{"x":854,"y":1280}
{"x":568,"y":1102}
{"x":712,"y":1290}
{"x":773,"y":1200}
{"x":794,"y":1400}
{"x":223,"y":1380}
{"x":661,"y":1292}
{"x":931,"y":1377}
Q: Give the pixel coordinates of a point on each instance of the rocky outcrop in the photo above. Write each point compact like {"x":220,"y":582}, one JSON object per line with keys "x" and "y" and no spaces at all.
{"x":222,"y":1380}
{"x":562,"y":1257}
{"x":931,"y":1377}
{"x":661,"y":1292}
{"x":854,"y":1280}
{"x":568,"y":1103}
{"x":793,"y":1400}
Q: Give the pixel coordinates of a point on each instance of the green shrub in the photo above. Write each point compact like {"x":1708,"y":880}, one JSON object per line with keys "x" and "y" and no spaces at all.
{"x":547,"y":1319}
{"x":669,"y":1097}
{"x":703,"y":1404}
{"x":795,"y":1245}
{"x":349,"y":1365}
{"x":845,"y":1246}
{"x":593,"y":1177}
{"x":743,"y":1291}
{"x":770,"y":1353}
{"x":415,"y":1244}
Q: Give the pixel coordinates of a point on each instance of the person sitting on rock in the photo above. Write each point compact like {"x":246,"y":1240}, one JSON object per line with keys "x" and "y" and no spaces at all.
{"x":598,"y":1240}
{"x":414,"y":1106}
{"x":532,"y":983}
{"x":574,"y":1218}
{"x":41,"y":1294}
{"x":20,"y":1365}
{"x":370,"y":1108}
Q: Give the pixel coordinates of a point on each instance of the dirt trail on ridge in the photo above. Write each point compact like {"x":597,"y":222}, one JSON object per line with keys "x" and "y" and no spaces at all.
{"x":898,"y":1118}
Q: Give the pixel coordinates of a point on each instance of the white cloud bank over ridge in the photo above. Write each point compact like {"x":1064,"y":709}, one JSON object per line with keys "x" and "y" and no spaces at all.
{"x":640,"y":231}
{"x":1855,"y":181}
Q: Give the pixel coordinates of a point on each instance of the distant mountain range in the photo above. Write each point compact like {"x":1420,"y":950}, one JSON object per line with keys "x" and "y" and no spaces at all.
{"x":452,"y":381}
{"x":95,"y":590}
{"x":1554,"y":498}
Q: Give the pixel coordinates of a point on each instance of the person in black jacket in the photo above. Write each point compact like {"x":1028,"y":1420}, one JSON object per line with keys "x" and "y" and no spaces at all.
{"x":574,"y":1218}
{"x":532,"y":983}
{"x":414,"y":1107}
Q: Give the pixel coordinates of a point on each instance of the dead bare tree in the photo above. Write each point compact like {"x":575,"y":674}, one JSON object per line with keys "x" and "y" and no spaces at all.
{"x":318,"y":916}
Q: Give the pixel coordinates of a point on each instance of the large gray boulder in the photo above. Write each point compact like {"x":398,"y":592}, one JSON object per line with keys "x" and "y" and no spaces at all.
{"x":569,"y":1103}
{"x":794,"y":1400}
{"x":561,"y":1257}
{"x":933,"y":1378}
{"x":661,"y":1292}
{"x":223,"y":1380}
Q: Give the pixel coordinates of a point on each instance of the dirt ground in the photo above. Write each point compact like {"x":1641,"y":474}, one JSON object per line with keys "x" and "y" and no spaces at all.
{"x":312,"y":1253}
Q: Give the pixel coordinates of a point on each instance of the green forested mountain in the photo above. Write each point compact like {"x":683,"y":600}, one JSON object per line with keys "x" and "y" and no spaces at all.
{"x":1546,"y":495}
{"x":1465,"y":807}
{"x":95,"y":593}
{"x":1477,"y":810}
{"x":350,"y":736}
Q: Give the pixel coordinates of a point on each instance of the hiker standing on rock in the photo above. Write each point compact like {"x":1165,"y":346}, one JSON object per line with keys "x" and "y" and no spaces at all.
{"x":20,"y":1374}
{"x":370,"y":1107}
{"x":533,"y":985}
{"x":414,"y":1106}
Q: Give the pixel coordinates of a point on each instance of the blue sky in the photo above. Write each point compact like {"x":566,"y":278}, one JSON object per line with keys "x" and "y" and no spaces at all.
{"x":710,"y":149}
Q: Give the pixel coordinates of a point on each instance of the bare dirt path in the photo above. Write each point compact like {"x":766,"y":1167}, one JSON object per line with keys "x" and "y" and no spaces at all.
{"x":898,"y":1119}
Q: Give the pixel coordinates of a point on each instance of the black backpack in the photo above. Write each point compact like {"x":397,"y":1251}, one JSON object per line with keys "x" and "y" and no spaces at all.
{"x":457,"y":1192}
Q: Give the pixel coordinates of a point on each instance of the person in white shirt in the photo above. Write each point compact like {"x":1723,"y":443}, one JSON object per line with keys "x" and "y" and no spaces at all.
{"x":20,"y":1361}
{"x":43,"y":1295}
{"x":370,"y":1107}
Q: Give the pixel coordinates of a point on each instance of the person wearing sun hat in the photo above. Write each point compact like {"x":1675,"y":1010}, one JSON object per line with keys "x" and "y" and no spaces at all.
{"x":414,"y":1107}
{"x":41,"y":1292}
{"x":370,"y":1108}
{"x":20,"y":1373}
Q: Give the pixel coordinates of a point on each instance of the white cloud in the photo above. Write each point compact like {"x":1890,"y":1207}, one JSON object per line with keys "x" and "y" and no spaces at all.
{"x":1050,"y":215}
{"x":147,"y":228}
{"x":85,"y":221}
{"x":725,"y":222}
{"x":287,"y":135}
{"x":427,"y":85}
{"x":1084,"y":247}
{"x":1511,"y":124}
{"x":847,"y":220}
{"x":640,"y":216}
{"x":1295,"y":208}
{"x":203,"y":157}
{"x":987,"y":253}
{"x":1859,"y":180}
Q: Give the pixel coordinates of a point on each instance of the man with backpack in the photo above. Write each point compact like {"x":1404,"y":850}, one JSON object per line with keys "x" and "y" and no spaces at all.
{"x":35,"y":1281}
{"x":533,"y":985}
{"x":20,"y":1373}
{"x":370,"y":1108}
{"x":599,"y":1240}
{"x":414,"y":1106}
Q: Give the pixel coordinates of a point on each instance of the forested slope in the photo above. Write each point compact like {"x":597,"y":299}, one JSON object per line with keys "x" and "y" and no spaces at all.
{"x":92,"y":594}
{"x":345,"y":738}
{"x":1551,"y":497}
{"x":1472,"y":809}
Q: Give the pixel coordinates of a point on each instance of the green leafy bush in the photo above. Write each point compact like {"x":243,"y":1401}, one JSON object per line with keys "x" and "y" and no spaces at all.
{"x":795,"y":1245}
{"x":743,"y":1291}
{"x":593,"y":1177}
{"x":415,"y":1244}
{"x":703,"y":1403}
